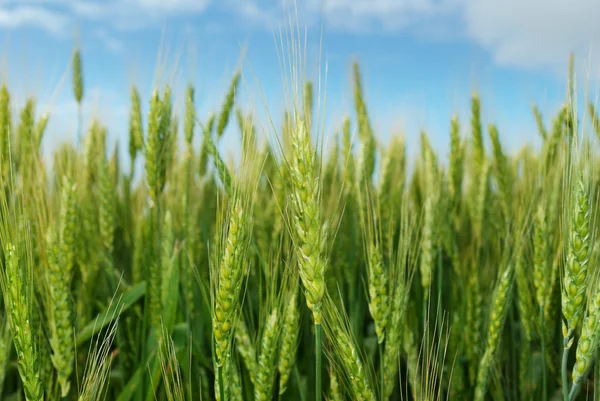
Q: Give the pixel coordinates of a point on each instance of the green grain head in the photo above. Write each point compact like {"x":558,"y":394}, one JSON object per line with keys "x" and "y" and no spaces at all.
{"x":576,"y":268}
{"x":190,"y":115}
{"x":5,"y":131}
{"x":289,"y":341}
{"x":227,"y":106}
{"x":136,"y":133}
{"x":77,"y":76}
{"x":17,"y":287}
{"x":306,"y":195}
{"x":263,"y":385}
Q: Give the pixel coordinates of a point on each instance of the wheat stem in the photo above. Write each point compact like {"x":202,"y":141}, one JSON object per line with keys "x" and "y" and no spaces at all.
{"x":543,"y":339}
{"x":318,"y":353}
{"x":565,"y":382}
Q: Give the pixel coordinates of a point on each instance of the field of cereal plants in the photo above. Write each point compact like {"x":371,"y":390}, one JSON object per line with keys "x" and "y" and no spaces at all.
{"x":297,"y":272}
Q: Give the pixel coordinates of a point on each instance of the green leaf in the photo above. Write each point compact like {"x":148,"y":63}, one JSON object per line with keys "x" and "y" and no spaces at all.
{"x":131,"y":387}
{"x":105,"y":318}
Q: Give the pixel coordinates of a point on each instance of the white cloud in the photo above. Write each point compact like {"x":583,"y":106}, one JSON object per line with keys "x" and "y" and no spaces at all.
{"x":56,"y":15}
{"x":122,"y":15}
{"x":368,"y":14}
{"x":375,"y":15}
{"x":90,"y":9}
{"x":133,"y":14}
{"x":33,"y":16}
{"x":253,"y":12}
{"x":136,"y":12}
{"x":534,"y":33}
{"x":537,"y":34}
{"x":171,"y":6}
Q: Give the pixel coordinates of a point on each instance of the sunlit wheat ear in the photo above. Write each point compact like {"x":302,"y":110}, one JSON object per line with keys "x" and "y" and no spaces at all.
{"x":576,"y":268}
{"x":246,"y":124}
{"x":231,"y":258}
{"x":343,"y":353}
{"x":5,"y":133}
{"x":335,"y":389}
{"x":525,"y":300}
{"x":539,"y":120}
{"x":24,"y":141}
{"x":502,"y":172}
{"x":136,"y":131}
{"x":366,"y":159}
{"x":457,"y":162}
{"x":61,"y":248}
{"x":227,"y":105}
{"x":206,"y":138}
{"x":190,"y":249}
{"x":155,"y":162}
{"x":263,"y":386}
{"x":579,"y":237}
{"x":222,"y":170}
{"x":231,"y":272}
{"x":77,"y":76}
{"x":377,"y":272}
{"x":39,"y":130}
{"x":478,"y":149}
{"x":432,"y":184}
{"x":305,"y":199}
{"x":90,"y":155}
{"x":155,"y":142}
{"x":190,"y":115}
{"x":540,"y":266}
{"x":352,"y":365}
{"x":167,"y":123}
{"x":390,"y":189}
{"x":228,"y":277}
{"x":245,"y":347}
{"x":473,"y":322}
{"x":17,"y":287}
{"x":405,"y":263}
{"x":172,"y":145}
{"x":307,"y":104}
{"x":236,"y":383}
{"x":556,"y":135}
{"x":231,"y":383}
{"x":498,"y":311}
{"x":588,"y":341}
{"x":289,"y":340}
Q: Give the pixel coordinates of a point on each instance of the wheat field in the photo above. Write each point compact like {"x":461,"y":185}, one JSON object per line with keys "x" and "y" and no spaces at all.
{"x":298,"y":271}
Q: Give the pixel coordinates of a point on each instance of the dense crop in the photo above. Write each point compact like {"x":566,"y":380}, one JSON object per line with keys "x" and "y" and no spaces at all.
{"x":296,"y":272}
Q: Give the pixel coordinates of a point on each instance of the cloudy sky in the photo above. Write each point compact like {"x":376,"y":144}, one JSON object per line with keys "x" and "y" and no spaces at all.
{"x":420,"y":58}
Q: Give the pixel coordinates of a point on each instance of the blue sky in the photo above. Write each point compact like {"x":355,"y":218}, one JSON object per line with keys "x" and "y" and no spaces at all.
{"x":420,"y":59}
